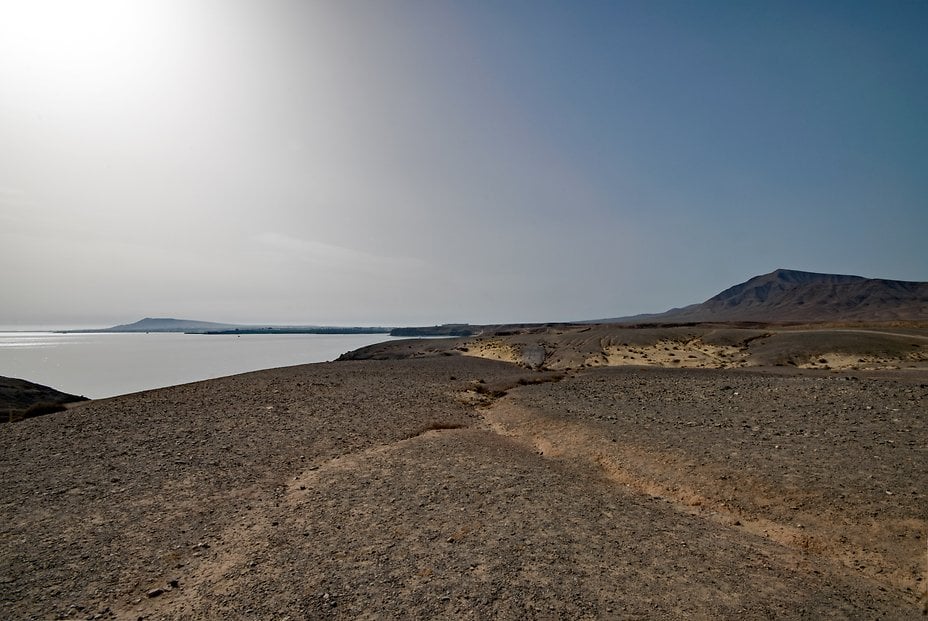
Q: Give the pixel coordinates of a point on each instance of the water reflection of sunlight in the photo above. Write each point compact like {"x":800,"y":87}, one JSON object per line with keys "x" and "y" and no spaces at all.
{"x":32,"y":339}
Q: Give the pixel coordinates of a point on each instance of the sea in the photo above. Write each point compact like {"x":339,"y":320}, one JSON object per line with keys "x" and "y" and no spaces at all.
{"x":98,"y":365}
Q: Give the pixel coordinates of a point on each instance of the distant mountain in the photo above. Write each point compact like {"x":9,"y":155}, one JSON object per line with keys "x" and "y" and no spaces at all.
{"x":163,"y":324}
{"x":795,"y":296}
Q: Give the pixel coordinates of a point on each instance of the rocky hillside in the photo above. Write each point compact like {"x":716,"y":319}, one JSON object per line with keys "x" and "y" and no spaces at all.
{"x":790,"y":295}
{"x":20,"y":399}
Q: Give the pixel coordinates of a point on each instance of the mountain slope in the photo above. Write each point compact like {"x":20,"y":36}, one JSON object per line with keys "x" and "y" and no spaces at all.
{"x":161,"y":324}
{"x":791,"y":295}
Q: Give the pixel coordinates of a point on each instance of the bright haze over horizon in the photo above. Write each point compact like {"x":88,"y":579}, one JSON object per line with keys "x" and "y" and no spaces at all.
{"x":409,"y":163}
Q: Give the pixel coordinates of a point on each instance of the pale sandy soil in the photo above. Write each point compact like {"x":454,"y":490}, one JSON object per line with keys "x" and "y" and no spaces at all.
{"x":707,"y":347}
{"x":663,"y":353}
{"x":492,"y":349}
{"x":446,"y":486}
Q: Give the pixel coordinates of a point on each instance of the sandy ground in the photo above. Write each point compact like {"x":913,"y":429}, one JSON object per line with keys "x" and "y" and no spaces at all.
{"x":443,"y":485}
{"x":707,"y":347}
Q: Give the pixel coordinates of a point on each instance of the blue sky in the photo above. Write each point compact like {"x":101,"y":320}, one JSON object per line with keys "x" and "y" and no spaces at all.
{"x":419,"y":162}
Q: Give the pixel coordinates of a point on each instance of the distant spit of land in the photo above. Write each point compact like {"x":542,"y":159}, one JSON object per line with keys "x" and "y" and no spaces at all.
{"x":190,"y":326}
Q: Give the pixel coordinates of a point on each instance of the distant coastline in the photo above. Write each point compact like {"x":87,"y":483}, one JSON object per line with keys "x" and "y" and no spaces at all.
{"x":300,"y":330}
{"x":190,"y":326}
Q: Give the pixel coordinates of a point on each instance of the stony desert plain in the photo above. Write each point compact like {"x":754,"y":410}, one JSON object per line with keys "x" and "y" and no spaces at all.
{"x":553,"y":472}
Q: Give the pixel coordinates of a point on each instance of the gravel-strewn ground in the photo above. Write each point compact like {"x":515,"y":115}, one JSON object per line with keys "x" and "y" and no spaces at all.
{"x":833,"y":466}
{"x":411,"y":488}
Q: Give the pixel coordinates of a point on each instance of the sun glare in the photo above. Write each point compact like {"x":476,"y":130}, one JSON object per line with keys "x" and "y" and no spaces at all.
{"x":68,"y":48}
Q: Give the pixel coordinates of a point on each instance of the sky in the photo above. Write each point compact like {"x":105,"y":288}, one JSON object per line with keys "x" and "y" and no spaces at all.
{"x":417,"y":162}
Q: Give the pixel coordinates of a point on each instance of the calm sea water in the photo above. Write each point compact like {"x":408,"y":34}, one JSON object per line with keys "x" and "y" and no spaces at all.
{"x":104,"y":365}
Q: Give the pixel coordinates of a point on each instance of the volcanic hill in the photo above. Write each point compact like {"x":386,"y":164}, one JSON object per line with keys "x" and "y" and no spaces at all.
{"x":796,"y":296}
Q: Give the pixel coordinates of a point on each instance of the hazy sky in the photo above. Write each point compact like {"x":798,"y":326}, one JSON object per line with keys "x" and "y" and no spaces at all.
{"x":393,"y":163}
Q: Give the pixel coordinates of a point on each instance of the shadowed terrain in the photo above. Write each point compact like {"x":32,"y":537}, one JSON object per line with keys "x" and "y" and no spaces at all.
{"x":20,"y":399}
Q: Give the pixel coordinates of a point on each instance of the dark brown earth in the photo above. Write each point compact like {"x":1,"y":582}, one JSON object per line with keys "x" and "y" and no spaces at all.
{"x":22,"y":399}
{"x":442,"y":485}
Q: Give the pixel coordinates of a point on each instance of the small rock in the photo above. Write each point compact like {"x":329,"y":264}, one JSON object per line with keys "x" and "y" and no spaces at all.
{"x":155,"y":592}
